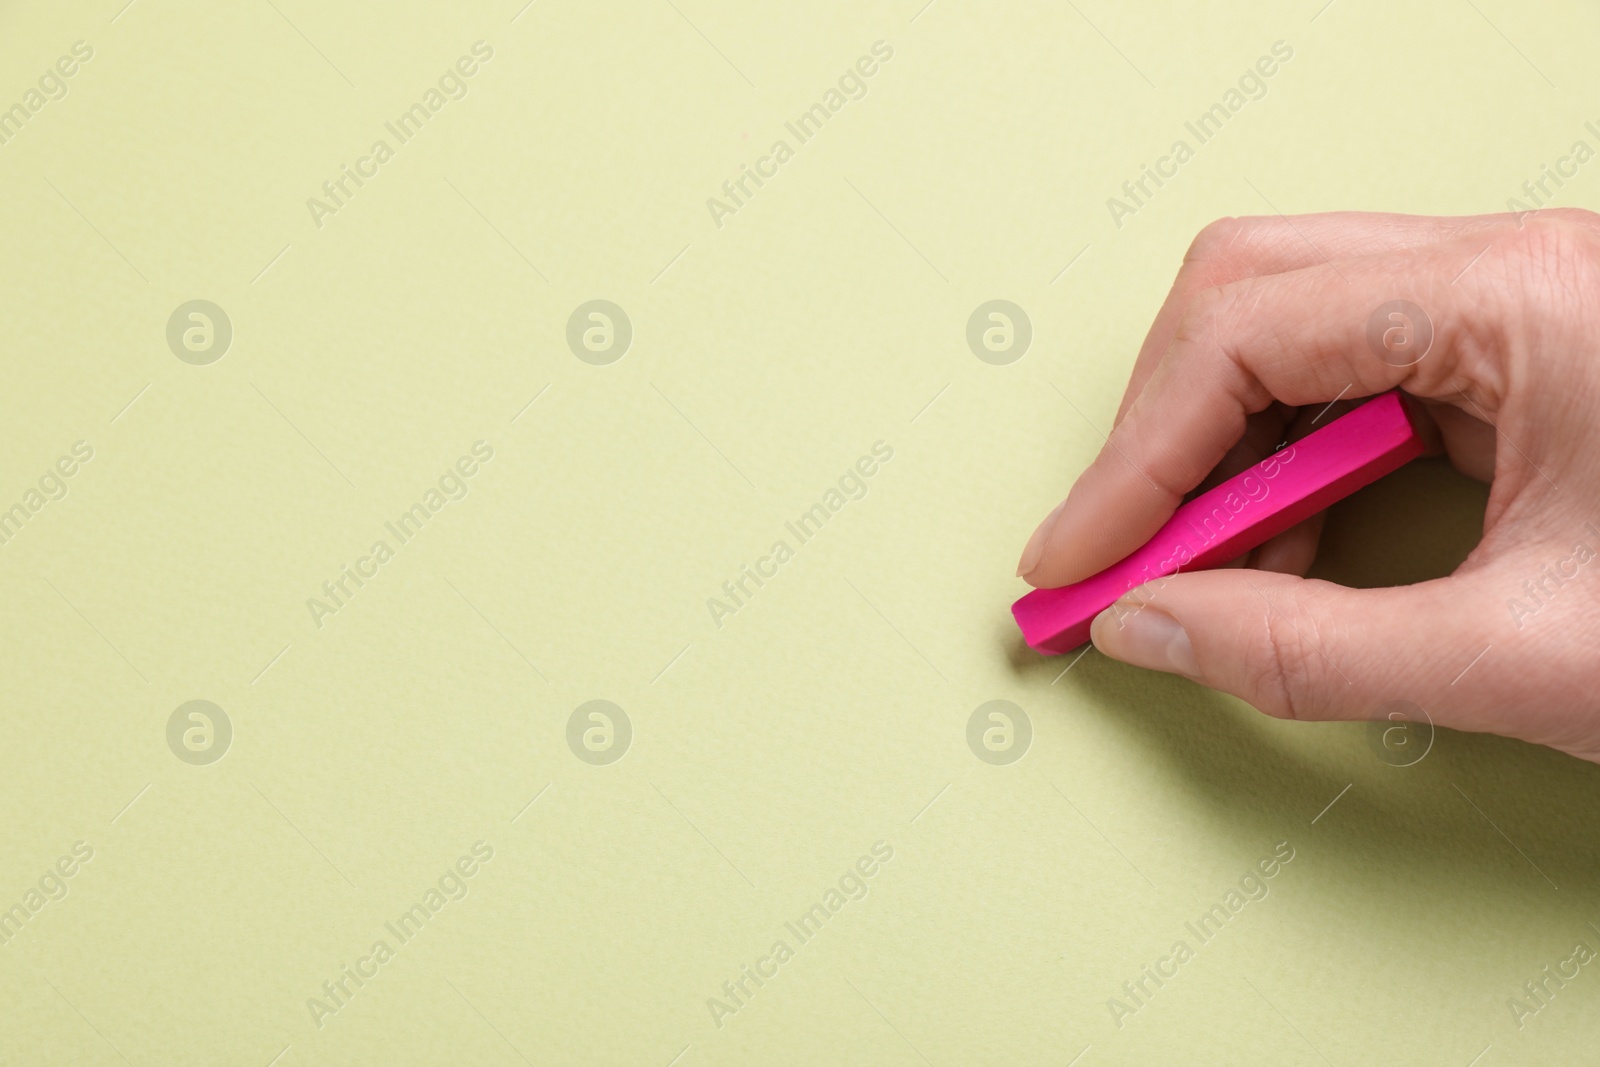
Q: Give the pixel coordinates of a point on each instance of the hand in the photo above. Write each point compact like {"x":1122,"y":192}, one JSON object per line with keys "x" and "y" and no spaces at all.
{"x":1267,"y":323}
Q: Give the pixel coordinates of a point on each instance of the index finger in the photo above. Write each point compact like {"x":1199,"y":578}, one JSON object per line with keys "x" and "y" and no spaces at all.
{"x":1297,"y":337}
{"x":1233,"y":249}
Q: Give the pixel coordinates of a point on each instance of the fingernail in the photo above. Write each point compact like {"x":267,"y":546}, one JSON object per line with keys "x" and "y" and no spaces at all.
{"x":1035,"y":550}
{"x":1145,"y":637}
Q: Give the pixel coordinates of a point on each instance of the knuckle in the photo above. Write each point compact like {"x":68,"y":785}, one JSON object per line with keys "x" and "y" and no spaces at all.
{"x":1581,"y":218}
{"x":1204,"y":314}
{"x":1226,"y":246}
{"x":1548,"y":240}
{"x":1527,"y":290}
{"x":1555,"y":261}
{"x":1217,"y":318}
{"x":1290,"y":671}
{"x":1216,"y":238}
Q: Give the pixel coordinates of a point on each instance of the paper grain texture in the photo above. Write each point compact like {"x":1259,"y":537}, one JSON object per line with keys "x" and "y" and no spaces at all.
{"x":397,"y":501}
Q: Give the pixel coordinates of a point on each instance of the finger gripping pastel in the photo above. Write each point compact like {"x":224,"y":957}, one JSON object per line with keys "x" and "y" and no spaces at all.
{"x":1224,"y":523}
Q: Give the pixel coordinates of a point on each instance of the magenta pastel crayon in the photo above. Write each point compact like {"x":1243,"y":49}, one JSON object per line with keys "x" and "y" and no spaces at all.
{"x":1224,"y":523}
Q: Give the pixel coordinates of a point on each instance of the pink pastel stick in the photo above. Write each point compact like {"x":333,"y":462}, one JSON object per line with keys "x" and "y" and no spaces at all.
{"x":1224,"y":523}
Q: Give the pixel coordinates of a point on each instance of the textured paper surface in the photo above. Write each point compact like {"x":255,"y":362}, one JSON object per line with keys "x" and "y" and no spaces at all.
{"x":765,"y":751}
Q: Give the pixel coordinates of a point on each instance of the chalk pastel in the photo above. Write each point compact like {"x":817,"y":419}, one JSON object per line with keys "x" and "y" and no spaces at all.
{"x":1224,"y":523}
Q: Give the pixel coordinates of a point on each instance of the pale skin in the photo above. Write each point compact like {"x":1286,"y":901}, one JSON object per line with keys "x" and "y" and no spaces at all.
{"x":1264,"y":326}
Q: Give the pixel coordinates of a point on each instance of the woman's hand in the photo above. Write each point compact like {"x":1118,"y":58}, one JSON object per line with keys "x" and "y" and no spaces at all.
{"x":1272,"y":319}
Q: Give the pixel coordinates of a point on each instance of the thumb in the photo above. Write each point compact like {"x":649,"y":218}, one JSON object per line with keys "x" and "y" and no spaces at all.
{"x":1296,"y":648}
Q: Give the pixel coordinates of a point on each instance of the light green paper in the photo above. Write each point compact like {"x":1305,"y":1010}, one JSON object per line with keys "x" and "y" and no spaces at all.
{"x":372,"y":747}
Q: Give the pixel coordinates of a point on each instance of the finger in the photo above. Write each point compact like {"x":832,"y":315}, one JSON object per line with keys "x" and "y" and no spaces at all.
{"x":1233,"y":249}
{"x":1264,"y":433}
{"x":1293,"y":551}
{"x":1468,"y":441}
{"x":1299,"y":648}
{"x":1298,"y":338}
